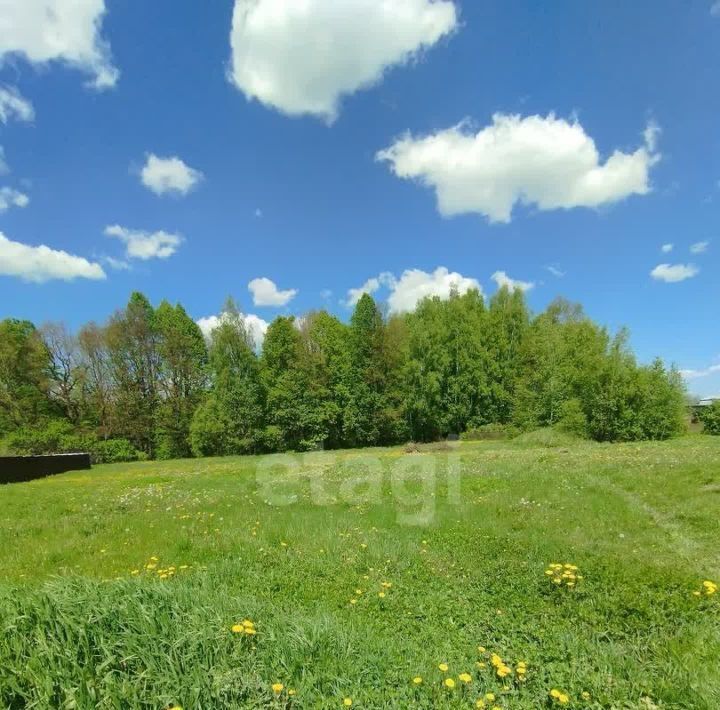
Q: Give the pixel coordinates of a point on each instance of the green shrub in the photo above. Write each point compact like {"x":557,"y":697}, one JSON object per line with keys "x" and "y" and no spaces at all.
{"x":54,"y":437}
{"x":489,"y":431}
{"x":115,"y":451}
{"x":572,"y":418}
{"x":270,"y":439}
{"x":547,"y":437}
{"x":710,"y":418}
{"x":59,"y":437}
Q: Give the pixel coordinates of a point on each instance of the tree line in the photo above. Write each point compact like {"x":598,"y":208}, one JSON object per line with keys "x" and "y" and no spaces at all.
{"x":149,"y":384}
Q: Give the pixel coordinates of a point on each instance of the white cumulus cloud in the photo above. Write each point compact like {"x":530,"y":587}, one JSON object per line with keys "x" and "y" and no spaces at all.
{"x":699,"y":247}
{"x":12,"y":198}
{"x":547,"y":162}
{"x":14,"y":105}
{"x":169,"y":175}
{"x":556,"y":271}
{"x":672,"y":273}
{"x":266,"y":293}
{"x":302,"y":56}
{"x":145,"y":245}
{"x":502,"y":279}
{"x":257,"y":327}
{"x":67,"y":31}
{"x":369,"y":287}
{"x":414,"y":285}
{"x":41,"y":263}
{"x":704,"y":372}
{"x":666,"y":248}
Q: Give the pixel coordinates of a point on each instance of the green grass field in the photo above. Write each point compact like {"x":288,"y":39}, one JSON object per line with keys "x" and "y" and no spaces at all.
{"x":364,"y":570}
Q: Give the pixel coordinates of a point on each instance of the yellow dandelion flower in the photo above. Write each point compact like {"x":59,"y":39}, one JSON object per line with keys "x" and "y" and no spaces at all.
{"x":481,"y":649}
{"x":237,"y":628}
{"x":465,"y":678}
{"x":585,"y":695}
{"x":503,"y":671}
{"x":347,"y":702}
{"x":381,"y":595}
{"x":417,"y":680}
{"x":479,"y":703}
{"x":490,"y":697}
{"x":443,"y":667}
{"x":250,"y":631}
{"x":449,"y":683}
{"x":277,"y":688}
{"x":292,"y":691}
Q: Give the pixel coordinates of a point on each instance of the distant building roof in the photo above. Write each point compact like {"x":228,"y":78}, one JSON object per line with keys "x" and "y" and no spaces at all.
{"x":707,"y":401}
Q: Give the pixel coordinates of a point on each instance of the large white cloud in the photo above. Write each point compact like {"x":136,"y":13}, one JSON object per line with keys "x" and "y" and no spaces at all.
{"x":256,"y":326}
{"x":14,"y":105}
{"x":145,"y":245}
{"x":169,"y":175}
{"x":68,"y":31}
{"x":414,"y":285}
{"x":10,"y":197}
{"x":502,"y":279}
{"x":547,"y":162}
{"x":302,"y":56}
{"x":266,"y":293}
{"x":41,"y":263}
{"x":672,"y":273}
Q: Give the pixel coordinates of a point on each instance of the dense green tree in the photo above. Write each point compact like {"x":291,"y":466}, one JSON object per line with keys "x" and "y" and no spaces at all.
{"x":325,"y":342}
{"x":299,"y":403}
{"x":710,"y":417}
{"x":132,"y":338}
{"x":507,"y":325}
{"x":183,"y":360}
{"x":559,"y":360}
{"x":230,"y":418}
{"x":25,"y":375}
{"x":448,"y":366}
{"x":368,"y":416}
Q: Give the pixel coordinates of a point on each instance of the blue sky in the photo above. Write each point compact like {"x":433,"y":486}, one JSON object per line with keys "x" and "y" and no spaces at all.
{"x":188,"y":149}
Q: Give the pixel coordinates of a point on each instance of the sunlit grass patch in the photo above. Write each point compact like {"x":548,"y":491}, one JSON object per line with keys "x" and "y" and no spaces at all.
{"x":184,"y":584}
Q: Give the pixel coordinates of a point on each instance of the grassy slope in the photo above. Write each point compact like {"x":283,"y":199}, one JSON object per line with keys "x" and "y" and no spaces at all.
{"x":641,"y":522}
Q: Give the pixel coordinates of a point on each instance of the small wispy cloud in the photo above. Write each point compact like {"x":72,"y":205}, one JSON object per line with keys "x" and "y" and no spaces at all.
{"x":555,"y":271}
{"x":699,"y":247}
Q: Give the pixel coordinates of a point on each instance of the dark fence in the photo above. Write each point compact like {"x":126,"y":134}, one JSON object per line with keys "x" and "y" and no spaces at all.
{"x":15,"y":469}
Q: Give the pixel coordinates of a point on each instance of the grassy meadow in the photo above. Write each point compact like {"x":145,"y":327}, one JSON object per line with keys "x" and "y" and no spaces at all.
{"x":377,"y":578}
